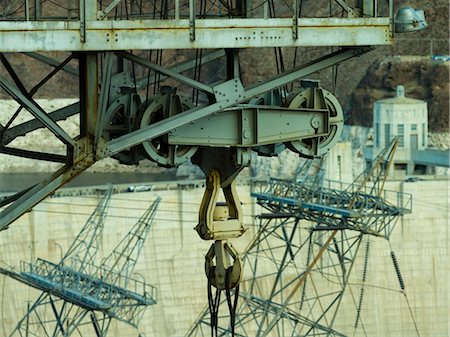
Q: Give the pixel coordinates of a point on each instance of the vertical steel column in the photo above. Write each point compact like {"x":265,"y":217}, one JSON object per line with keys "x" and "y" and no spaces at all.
{"x":192,"y":20}
{"x":249,"y":7}
{"x":37,"y":9}
{"x":295,"y":19}
{"x":233,"y":68}
{"x":27,"y":10}
{"x":88,"y":93}
{"x":90,"y":9}
{"x":241,"y":8}
{"x":177,"y":9}
{"x":88,"y":12}
{"x":367,"y":7}
{"x":391,"y":17}
{"x":266,"y":9}
{"x":69,"y":9}
{"x":83,"y":21}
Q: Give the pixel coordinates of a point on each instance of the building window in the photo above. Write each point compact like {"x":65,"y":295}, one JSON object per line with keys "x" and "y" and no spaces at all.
{"x":387,"y":134}
{"x":401,"y":135}
{"x":377,"y":134}
{"x":423,"y":134}
{"x":413,"y":127}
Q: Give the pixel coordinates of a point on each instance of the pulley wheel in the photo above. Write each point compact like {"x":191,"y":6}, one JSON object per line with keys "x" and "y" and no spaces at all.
{"x":318,"y":146}
{"x":158,"y":149}
{"x":224,"y":277}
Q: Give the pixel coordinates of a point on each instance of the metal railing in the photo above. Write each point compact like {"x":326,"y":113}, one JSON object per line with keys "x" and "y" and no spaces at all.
{"x":27,"y":10}
{"x":123,"y":288}
{"x":346,"y":197}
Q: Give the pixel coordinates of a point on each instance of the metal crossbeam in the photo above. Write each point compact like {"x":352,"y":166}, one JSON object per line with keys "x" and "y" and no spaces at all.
{"x":37,"y":111}
{"x":110,"y":35}
{"x":26,"y":127}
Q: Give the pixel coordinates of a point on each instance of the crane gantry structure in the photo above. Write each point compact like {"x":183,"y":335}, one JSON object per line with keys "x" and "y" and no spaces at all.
{"x":135,"y":106}
{"x":117,"y":120}
{"x":80,"y":295}
{"x":298,"y":274}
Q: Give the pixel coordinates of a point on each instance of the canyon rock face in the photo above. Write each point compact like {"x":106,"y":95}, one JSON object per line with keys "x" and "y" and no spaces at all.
{"x":423,"y":78}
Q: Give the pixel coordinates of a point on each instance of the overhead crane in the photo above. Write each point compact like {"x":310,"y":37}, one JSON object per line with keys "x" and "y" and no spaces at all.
{"x":217,"y":127}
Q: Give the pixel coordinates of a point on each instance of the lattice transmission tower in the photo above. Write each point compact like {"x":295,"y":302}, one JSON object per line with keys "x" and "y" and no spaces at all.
{"x":80,"y":295}
{"x":300,"y":261}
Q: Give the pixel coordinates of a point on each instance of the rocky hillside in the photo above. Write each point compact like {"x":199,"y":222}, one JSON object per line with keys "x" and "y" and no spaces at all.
{"x":422,"y":77}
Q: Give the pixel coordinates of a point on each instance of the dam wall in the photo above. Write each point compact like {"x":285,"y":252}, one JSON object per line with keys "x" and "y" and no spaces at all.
{"x":173,"y":260}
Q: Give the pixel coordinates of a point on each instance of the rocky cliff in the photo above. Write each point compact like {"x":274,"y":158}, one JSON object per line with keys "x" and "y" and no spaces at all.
{"x":422,"y":77}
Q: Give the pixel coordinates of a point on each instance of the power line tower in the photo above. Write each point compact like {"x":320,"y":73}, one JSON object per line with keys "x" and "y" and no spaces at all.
{"x":300,"y":261}
{"x":79,"y":295}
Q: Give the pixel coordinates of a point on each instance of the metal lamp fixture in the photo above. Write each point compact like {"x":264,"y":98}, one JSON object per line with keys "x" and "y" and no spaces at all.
{"x":409,"y":19}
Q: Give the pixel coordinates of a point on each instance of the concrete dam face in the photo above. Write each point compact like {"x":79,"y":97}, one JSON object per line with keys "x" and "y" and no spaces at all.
{"x":172,"y":260}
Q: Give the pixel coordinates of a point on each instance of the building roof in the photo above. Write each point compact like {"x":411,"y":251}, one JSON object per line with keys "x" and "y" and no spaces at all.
{"x":400,"y":98}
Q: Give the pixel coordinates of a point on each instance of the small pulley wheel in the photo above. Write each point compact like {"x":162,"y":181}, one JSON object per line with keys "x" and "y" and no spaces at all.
{"x":119,"y":115}
{"x":311,"y":147}
{"x":120,"y":119}
{"x":158,"y":149}
{"x":221,"y":272}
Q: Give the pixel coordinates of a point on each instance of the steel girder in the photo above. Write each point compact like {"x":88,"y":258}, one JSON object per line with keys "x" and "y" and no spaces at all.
{"x":209,"y":34}
{"x":90,"y":146}
{"x":92,"y":30}
{"x":188,"y":28}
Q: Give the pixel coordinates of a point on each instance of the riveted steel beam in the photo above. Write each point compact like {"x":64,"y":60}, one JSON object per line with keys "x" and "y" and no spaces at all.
{"x":110,"y":35}
{"x":250,"y":126}
{"x":183,"y":79}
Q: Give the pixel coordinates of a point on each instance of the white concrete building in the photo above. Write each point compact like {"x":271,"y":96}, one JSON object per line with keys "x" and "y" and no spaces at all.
{"x":404,"y":118}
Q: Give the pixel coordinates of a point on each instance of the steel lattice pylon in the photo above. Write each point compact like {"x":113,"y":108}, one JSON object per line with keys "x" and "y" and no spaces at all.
{"x":78,"y":292}
{"x":300,"y":260}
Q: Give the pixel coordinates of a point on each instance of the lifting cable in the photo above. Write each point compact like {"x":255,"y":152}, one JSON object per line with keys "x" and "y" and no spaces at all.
{"x":231,"y":305}
{"x":214,"y":303}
